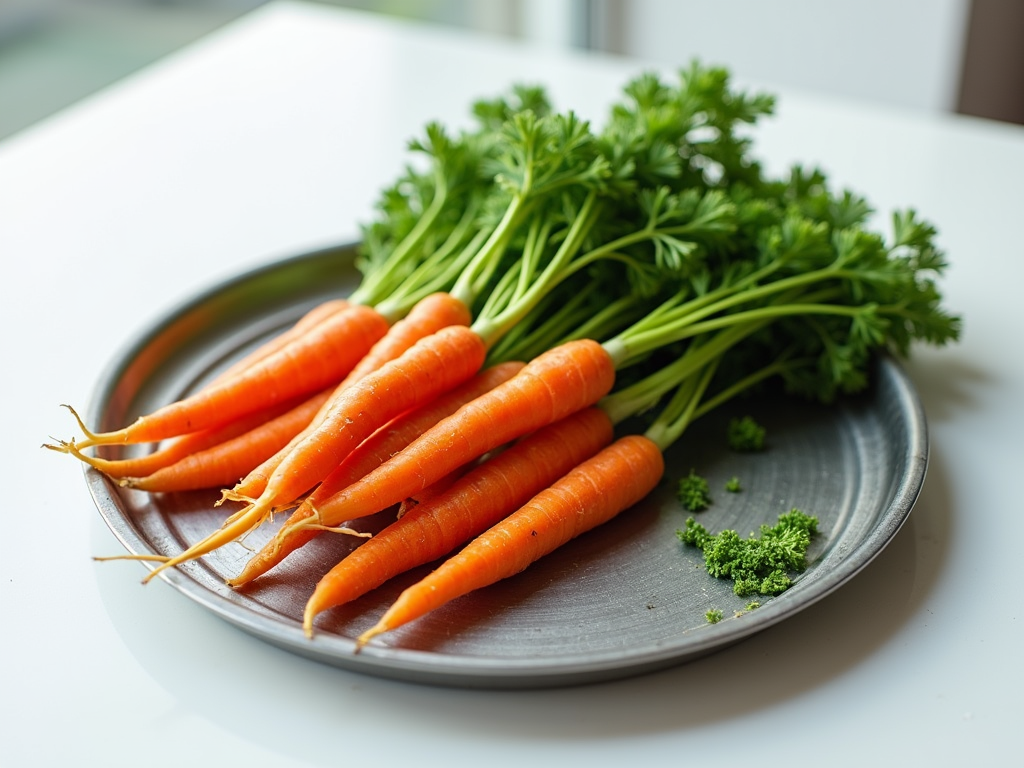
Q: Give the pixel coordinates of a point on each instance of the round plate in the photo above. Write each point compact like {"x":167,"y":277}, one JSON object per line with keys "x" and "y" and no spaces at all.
{"x":624,"y":599}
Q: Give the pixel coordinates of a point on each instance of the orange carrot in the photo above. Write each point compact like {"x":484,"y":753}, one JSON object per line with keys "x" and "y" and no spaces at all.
{"x":320,"y":357}
{"x":312,"y":318}
{"x":193,"y":442}
{"x":590,"y":494}
{"x":432,"y":366}
{"x":428,"y":316}
{"x":480,"y":499}
{"x":553,"y":385}
{"x":176,"y":448}
{"x":225,"y":462}
{"x":370,"y":454}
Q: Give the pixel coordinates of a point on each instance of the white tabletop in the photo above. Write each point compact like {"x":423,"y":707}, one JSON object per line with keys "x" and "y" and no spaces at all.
{"x":272,"y":137}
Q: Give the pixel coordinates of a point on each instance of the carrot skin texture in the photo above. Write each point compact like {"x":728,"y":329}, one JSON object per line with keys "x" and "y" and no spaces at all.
{"x":553,"y":385}
{"x":591,"y":494}
{"x":313,"y":317}
{"x":317,"y":359}
{"x":225,"y":462}
{"x":475,"y":502}
{"x":429,"y":316}
{"x":371,"y":453}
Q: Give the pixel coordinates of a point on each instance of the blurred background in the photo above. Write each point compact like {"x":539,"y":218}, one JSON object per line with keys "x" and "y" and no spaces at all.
{"x":960,"y":56}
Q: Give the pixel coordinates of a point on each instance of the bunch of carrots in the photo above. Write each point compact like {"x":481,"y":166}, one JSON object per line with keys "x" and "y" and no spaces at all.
{"x":544,"y":310}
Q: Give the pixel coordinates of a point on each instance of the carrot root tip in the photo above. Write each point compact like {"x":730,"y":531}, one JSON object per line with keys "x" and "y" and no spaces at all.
{"x":368,"y":635}
{"x":144,"y":558}
{"x":69,"y":447}
{"x":81,"y":424}
{"x":94,"y":438}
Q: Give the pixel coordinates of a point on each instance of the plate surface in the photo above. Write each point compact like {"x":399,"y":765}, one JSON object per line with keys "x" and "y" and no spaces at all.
{"x":624,"y":599}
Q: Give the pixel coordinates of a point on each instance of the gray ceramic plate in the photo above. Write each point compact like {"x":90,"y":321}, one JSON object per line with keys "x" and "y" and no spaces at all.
{"x":624,"y":599}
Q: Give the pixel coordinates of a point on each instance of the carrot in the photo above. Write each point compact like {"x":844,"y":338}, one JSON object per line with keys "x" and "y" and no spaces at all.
{"x":432,"y":366}
{"x":193,"y":442}
{"x":225,"y":462}
{"x":370,"y":454}
{"x":592,"y":493}
{"x":318,"y":358}
{"x":553,"y":385}
{"x":475,"y":502}
{"x":428,"y":316}
{"x":175,"y":449}
{"x":305,"y":323}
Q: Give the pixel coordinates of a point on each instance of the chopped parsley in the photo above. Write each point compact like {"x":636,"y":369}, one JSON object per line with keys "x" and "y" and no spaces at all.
{"x":694,"y":493}
{"x":745,"y":435}
{"x":758,"y":564}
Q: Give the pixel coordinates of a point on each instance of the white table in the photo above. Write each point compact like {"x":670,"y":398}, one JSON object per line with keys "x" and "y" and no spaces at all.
{"x":272,"y":137}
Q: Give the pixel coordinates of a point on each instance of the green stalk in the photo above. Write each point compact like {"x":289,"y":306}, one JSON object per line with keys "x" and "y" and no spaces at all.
{"x":504,"y":291}
{"x":474,"y":277}
{"x":494,"y":327}
{"x":672,"y":325}
{"x":647,"y":392}
{"x":377,"y":285}
{"x":681,"y":409}
{"x":438,"y":271}
{"x":524,"y":336}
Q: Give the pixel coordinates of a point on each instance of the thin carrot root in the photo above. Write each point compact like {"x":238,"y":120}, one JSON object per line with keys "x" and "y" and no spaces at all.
{"x":245,"y":521}
{"x":91,"y":438}
{"x":145,"y":558}
{"x":71,"y":448}
{"x":363,"y":639}
{"x":229,"y":495}
{"x":240,"y":512}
